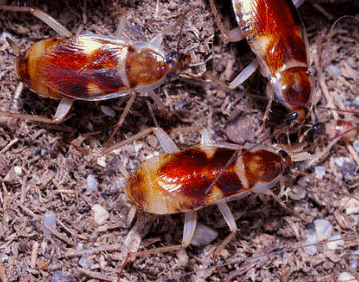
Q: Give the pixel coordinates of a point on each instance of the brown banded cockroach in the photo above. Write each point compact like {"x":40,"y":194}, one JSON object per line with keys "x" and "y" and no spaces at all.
{"x":91,"y":67}
{"x":276,"y":34}
{"x":191,"y":179}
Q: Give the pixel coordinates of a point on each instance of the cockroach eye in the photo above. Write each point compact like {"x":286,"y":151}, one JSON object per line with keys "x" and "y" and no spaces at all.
{"x":283,"y":153}
{"x":291,"y":117}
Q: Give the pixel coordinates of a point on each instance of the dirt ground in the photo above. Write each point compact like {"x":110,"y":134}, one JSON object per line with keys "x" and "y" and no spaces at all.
{"x":46,"y":170}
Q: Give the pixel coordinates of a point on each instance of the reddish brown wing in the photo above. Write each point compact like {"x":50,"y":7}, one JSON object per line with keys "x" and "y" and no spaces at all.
{"x":192,"y":172}
{"x":83,"y":67}
{"x":275,"y":31}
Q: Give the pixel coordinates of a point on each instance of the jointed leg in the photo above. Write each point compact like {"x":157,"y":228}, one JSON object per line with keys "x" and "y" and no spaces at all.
{"x":62,"y":110}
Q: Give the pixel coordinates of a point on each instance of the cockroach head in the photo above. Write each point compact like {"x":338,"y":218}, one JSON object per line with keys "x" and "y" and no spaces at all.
{"x":177,"y":62}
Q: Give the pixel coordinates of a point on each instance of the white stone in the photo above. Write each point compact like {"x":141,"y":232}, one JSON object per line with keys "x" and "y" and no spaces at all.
{"x":334,"y":242}
{"x":345,"y":276}
{"x":100,"y":214}
{"x":203,"y":235}
{"x":323,"y":228}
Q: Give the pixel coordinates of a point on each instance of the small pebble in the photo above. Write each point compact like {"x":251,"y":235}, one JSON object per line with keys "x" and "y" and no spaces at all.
{"x":334,"y":69}
{"x":80,"y":246}
{"x":203,"y":235}
{"x":100,"y":215}
{"x":50,"y":221}
{"x":181,"y":104}
{"x":319,"y":172}
{"x":83,"y":262}
{"x":334,"y":242}
{"x":356,"y":146}
{"x":345,"y":276}
{"x":353,"y":259}
{"x":351,"y":205}
{"x":323,"y":228}
{"x":4,"y":257}
{"x":5,"y":35}
{"x":59,"y":276}
{"x":182,"y":256}
{"x":341,"y":160}
{"x":90,"y":126}
{"x":18,"y":170}
{"x":152,"y":141}
{"x":297,"y":194}
{"x":108,"y":111}
{"x":311,"y":240}
{"x":101,"y":161}
{"x":91,"y":183}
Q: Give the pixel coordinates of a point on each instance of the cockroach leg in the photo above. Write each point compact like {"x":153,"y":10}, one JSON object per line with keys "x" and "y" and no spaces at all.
{"x":228,"y":217}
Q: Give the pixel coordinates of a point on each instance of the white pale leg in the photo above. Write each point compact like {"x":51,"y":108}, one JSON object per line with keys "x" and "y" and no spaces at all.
{"x":120,"y":28}
{"x":206,"y":137}
{"x":188,"y":232}
{"x":157,"y":100}
{"x":166,"y":141}
{"x":63,"y":108}
{"x":228,"y":216}
{"x":190,"y":222}
{"x":244,"y":75}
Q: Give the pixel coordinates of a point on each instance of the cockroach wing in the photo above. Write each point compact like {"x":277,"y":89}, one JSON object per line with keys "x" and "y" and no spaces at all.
{"x":201,"y":176}
{"x":85,"y":68}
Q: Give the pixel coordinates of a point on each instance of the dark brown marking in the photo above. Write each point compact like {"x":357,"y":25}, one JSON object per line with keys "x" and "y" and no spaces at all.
{"x":192,"y":172}
{"x":23,"y":68}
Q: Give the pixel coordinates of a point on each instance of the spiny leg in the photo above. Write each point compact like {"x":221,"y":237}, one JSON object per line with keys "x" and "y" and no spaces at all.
{"x":165,"y":140}
{"x":228,"y":216}
{"x":62,"y":110}
{"x":121,"y":120}
{"x":127,"y":110}
{"x":188,"y":232}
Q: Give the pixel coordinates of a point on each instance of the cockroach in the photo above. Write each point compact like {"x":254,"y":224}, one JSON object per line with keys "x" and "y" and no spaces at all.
{"x":185,"y":181}
{"x":90,"y":67}
{"x":276,"y":34}
{"x":199,"y":176}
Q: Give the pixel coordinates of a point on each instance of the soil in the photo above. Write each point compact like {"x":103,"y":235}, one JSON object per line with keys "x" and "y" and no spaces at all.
{"x":46,"y":170}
